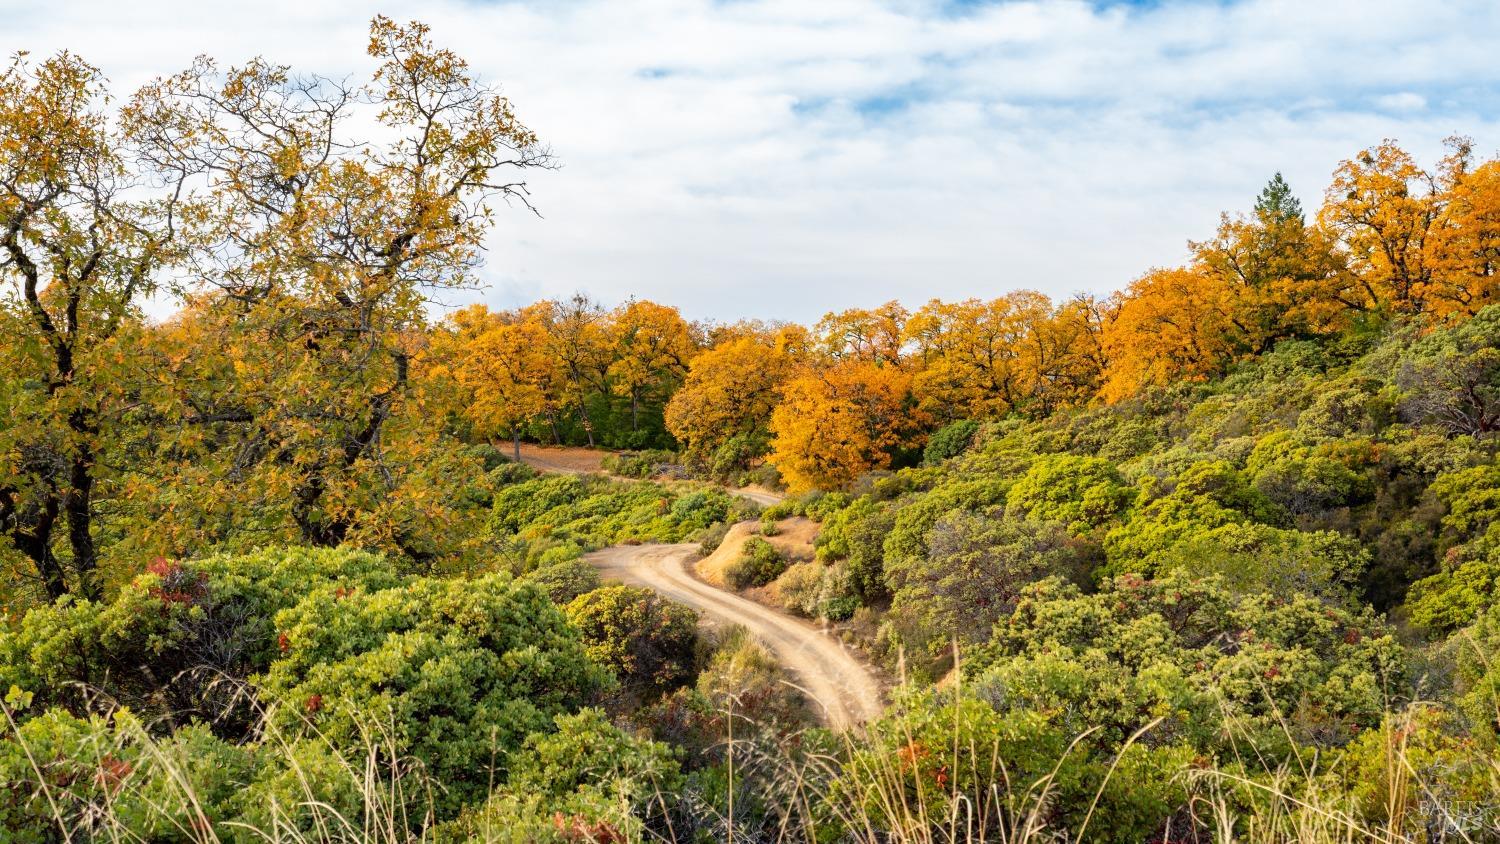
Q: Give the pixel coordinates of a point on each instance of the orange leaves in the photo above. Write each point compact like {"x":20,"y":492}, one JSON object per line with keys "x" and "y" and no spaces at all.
{"x":1168,"y":325}
{"x":836,"y":424}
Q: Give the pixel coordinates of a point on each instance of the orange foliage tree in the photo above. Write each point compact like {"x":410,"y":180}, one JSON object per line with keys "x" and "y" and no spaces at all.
{"x":835,"y":424}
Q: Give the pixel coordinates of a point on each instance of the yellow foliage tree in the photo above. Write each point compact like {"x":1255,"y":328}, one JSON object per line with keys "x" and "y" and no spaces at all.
{"x":1169,"y":325}
{"x":729,"y":394}
{"x":653,"y":346}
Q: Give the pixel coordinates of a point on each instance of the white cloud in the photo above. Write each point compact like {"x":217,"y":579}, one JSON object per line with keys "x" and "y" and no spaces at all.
{"x":779,"y":158}
{"x":1404,"y":101}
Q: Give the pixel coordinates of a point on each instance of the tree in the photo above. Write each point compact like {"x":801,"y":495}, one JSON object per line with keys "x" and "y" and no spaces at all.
{"x":507,"y":369}
{"x":84,"y":228}
{"x":1382,"y":206}
{"x":577,"y":333}
{"x":874,"y":336}
{"x":1277,"y":203}
{"x":834,"y":425}
{"x":729,"y":393}
{"x":653,"y":347}
{"x":1169,"y":325}
{"x":1466,"y":244}
{"x":323,"y":248}
{"x":971,"y":357}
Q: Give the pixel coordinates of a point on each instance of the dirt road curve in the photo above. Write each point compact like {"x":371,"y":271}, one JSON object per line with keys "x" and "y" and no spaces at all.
{"x":837,"y":682}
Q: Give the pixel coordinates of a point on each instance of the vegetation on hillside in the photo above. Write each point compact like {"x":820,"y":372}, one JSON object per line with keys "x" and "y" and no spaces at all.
{"x":1217,"y":556}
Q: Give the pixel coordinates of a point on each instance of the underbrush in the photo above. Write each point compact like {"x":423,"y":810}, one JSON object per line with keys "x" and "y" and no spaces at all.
{"x":940,"y":766}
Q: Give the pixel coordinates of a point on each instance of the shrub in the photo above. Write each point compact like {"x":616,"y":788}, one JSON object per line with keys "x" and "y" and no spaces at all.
{"x":172,"y":643}
{"x":949,"y":441}
{"x":564,"y":581}
{"x":1259,"y":558}
{"x":641,"y":465}
{"x":741,"y":673}
{"x":1082,"y":493}
{"x":457,"y":671}
{"x":105,"y":779}
{"x":759,"y":564}
{"x":586,"y":750}
{"x":975,"y":569}
{"x":699,"y":509}
{"x":1454,"y":597}
{"x":712,"y":538}
{"x":645,"y":639}
{"x":944,"y":765}
{"x":1279,"y":668}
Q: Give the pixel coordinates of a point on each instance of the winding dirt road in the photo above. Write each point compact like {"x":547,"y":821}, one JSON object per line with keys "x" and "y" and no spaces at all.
{"x":836,"y":680}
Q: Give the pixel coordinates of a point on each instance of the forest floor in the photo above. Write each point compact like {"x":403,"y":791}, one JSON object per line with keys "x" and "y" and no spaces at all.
{"x":840,"y":685}
{"x":572,"y":460}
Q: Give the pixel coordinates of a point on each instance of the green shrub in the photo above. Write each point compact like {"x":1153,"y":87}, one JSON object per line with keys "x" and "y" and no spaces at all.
{"x":946,"y":765}
{"x":1083,"y":493}
{"x":759,"y":564}
{"x":645,"y":639}
{"x":174,"y":643}
{"x":641,"y":465}
{"x":1279,"y":668}
{"x":949,"y":441}
{"x":107,"y":779}
{"x":454,"y":673}
{"x":564,"y":581}
{"x":712,"y":537}
{"x":1454,"y":597}
{"x":976,"y":568}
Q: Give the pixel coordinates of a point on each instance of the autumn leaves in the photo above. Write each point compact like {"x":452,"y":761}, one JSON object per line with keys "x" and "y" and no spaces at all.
{"x":861,"y":389}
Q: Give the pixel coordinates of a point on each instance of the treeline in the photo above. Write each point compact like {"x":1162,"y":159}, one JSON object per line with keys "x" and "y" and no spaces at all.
{"x":863,"y":389}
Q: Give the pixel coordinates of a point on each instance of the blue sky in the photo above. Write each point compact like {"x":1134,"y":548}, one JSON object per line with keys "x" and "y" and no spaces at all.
{"x":779,"y":158}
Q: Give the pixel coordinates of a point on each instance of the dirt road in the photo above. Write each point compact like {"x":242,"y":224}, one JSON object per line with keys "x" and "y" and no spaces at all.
{"x":837,"y":682}
{"x":569,"y":460}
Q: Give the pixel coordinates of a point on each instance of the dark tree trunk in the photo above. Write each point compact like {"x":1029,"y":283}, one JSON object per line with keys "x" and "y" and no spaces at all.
{"x":35,"y":540}
{"x":79,"y":508}
{"x":588,"y":425}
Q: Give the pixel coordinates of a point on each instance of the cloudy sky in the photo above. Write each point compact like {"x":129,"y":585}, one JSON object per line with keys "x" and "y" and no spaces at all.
{"x":780,"y":158}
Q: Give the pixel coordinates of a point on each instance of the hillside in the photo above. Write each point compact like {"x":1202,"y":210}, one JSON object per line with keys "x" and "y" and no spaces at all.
{"x":1213,"y":558}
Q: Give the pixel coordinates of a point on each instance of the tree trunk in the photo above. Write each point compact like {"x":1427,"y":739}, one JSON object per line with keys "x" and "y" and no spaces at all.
{"x":635,"y":411}
{"x":515,"y":434}
{"x":79,"y":508}
{"x":588,"y":426}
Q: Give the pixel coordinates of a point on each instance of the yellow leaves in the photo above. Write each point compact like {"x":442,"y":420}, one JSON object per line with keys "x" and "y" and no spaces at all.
{"x":730,"y":390}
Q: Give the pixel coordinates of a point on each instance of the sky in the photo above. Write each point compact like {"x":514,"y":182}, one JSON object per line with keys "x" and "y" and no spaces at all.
{"x":783,"y":158}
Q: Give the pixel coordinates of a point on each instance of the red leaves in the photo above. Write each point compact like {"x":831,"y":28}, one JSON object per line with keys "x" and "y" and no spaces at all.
{"x":113,"y":773}
{"x":313,"y":704}
{"x":175,"y":583}
{"x":580,"y":828}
